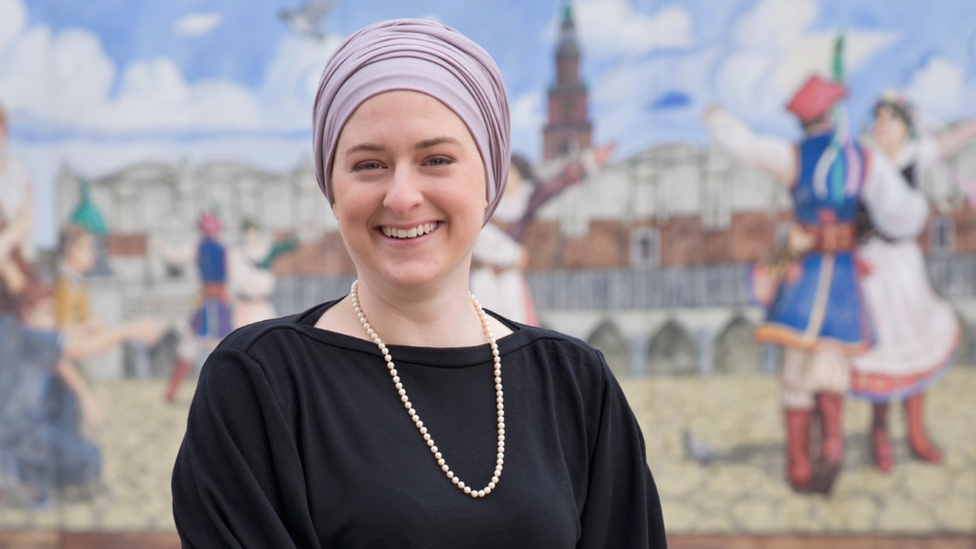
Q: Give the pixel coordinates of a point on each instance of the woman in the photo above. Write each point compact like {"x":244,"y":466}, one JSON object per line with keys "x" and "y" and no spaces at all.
{"x":916,"y":330}
{"x":307,"y":431}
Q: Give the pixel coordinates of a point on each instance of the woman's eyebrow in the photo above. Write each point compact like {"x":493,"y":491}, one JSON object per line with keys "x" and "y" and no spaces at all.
{"x":434,"y":141}
{"x":369,"y":147}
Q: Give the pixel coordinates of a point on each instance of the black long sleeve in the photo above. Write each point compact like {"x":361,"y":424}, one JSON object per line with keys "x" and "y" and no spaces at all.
{"x":297,"y":438}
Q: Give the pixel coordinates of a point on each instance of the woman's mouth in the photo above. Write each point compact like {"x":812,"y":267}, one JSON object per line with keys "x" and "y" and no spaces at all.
{"x":413,"y":232}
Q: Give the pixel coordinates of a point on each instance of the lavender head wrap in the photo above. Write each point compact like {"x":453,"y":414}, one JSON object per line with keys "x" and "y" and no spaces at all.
{"x":422,"y":56}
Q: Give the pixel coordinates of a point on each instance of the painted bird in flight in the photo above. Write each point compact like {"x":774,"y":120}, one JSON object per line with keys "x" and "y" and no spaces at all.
{"x":305,"y":18}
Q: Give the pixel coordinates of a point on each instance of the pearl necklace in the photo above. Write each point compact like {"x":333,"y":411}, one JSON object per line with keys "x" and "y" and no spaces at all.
{"x":415,"y":417}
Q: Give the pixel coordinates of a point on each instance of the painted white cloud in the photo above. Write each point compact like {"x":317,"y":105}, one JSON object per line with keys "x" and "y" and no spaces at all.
{"x":527,"y":122}
{"x":13,"y":21}
{"x":198,"y":23}
{"x":814,"y":53}
{"x":62,"y":79}
{"x":773,"y":24}
{"x":612,"y":27}
{"x":758,"y":41}
{"x":66,"y":79}
{"x":772,"y":54}
{"x":937,"y":89}
{"x":292,"y":79}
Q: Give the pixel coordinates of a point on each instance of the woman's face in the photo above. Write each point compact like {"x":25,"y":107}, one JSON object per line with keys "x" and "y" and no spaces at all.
{"x":890,"y":131}
{"x":409,"y":189}
{"x":82,"y":254}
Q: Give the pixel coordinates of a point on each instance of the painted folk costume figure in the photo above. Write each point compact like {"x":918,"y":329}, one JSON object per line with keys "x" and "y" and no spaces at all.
{"x":818,"y":314}
{"x":917,"y":331}
{"x":211,"y":319}
{"x":15,"y":222}
{"x":250,"y":279}
{"x":500,"y":256}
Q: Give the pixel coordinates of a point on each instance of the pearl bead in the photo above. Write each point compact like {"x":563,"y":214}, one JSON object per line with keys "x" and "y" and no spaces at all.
{"x":415,"y":417}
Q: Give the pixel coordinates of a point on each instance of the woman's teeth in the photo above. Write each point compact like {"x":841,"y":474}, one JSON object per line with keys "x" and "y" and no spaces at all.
{"x":412,"y":232}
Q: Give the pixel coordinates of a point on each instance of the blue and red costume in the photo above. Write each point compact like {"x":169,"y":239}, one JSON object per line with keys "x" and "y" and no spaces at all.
{"x":821,"y":301}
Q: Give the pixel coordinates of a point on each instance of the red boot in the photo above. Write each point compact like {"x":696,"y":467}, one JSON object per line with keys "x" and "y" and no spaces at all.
{"x":798,"y":469}
{"x":830,"y":407}
{"x":918,"y":439}
{"x":180,"y":370}
{"x":884,"y":457}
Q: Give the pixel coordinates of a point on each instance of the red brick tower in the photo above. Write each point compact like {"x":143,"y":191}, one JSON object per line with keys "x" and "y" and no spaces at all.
{"x":568,"y":129}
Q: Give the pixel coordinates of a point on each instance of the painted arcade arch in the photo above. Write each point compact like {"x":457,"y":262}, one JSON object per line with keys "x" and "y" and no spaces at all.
{"x":672,"y":351}
{"x":736,"y":351}
{"x":608,"y":338}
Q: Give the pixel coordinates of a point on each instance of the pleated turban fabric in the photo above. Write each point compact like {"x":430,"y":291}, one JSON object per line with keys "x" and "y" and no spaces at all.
{"x":422,"y":56}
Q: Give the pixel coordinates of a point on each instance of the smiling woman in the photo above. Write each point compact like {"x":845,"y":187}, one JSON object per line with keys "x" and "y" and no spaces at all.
{"x":303,"y":433}
{"x":409,"y":191}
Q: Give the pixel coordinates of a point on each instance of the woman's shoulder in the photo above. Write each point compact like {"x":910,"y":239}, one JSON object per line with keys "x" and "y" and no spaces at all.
{"x":558,"y":347}
{"x":257,"y":335}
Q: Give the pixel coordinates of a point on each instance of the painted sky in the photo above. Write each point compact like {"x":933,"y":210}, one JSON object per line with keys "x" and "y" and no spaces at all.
{"x":103,"y":83}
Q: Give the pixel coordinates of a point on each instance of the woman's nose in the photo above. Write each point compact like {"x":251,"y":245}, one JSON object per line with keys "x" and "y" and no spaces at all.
{"x":404,"y":192}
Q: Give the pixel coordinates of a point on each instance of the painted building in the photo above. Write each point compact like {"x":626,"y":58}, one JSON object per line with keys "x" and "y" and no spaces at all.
{"x":647,"y":258}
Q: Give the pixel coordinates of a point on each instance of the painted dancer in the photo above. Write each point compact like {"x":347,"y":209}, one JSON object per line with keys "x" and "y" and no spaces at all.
{"x":250,"y":278}
{"x":817,"y":313}
{"x":211,"y":318}
{"x":917,"y":331}
{"x":500,"y":256}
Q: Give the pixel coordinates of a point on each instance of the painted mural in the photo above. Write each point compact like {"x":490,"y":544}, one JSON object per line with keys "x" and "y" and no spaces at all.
{"x":763,"y":212}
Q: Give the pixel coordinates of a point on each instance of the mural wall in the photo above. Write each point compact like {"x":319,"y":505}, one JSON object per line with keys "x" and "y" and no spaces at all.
{"x":761,"y":211}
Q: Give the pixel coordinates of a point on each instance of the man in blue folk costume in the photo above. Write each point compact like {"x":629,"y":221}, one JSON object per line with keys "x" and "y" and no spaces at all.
{"x":211,"y":320}
{"x":817,"y":312}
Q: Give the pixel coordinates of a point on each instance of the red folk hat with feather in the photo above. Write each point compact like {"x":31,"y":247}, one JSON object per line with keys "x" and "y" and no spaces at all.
{"x":815,"y":98}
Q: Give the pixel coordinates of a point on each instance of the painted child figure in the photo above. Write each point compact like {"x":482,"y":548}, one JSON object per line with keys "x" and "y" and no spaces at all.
{"x":817,"y":313}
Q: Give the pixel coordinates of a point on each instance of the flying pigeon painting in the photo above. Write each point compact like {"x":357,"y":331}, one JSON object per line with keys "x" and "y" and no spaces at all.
{"x":305,"y":19}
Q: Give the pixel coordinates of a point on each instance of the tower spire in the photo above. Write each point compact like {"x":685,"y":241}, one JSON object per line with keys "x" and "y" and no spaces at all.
{"x":568,"y":128}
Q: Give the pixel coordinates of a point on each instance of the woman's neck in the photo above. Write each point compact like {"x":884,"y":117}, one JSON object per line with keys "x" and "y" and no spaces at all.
{"x":441,"y":315}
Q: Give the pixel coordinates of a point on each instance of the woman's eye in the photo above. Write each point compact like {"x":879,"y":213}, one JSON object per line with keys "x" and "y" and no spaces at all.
{"x":362,"y":166}
{"x":439,"y":161}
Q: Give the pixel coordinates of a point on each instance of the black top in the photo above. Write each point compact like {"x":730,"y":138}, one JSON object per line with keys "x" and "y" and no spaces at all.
{"x":296,"y":437}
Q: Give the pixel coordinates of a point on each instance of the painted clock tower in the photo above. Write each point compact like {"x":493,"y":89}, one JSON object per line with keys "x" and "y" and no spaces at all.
{"x":568,"y":129}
